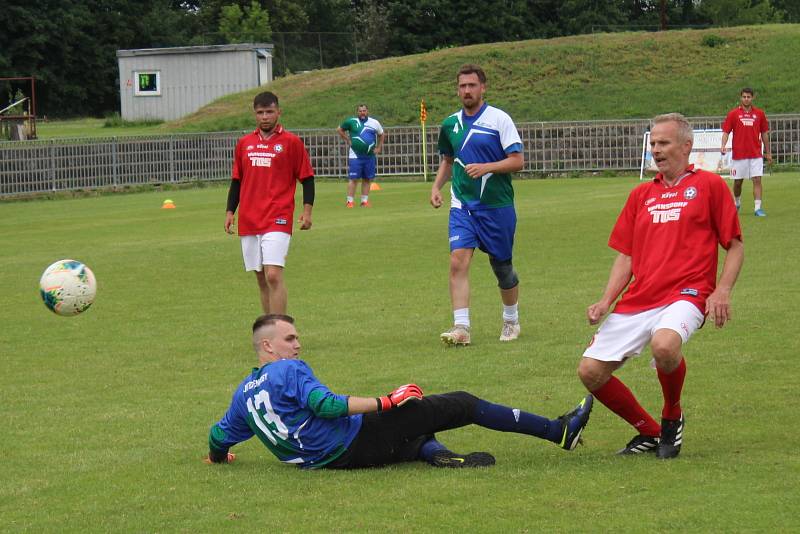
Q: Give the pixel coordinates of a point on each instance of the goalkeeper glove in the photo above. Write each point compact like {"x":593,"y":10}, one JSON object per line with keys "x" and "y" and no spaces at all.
{"x":398,"y":397}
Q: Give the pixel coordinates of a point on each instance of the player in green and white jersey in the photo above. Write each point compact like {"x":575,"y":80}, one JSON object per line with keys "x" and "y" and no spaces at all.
{"x":365,"y":137}
{"x":480,"y":148}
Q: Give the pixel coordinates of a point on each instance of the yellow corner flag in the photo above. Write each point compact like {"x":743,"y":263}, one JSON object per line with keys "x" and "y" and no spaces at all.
{"x":423,"y":116}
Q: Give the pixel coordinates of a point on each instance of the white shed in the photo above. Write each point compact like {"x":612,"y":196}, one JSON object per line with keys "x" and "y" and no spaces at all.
{"x":168,"y":83}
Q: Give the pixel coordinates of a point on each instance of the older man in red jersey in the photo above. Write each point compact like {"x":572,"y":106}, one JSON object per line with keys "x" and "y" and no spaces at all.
{"x":667,"y":237}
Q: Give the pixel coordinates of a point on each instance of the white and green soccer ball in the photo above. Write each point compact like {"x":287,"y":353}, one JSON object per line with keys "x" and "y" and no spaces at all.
{"x":68,"y":287}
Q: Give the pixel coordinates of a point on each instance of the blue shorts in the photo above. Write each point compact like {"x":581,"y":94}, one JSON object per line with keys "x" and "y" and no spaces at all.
{"x":491,"y":230}
{"x":361,"y":168}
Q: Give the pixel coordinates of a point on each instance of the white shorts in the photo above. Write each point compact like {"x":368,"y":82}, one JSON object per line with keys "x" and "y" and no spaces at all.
{"x":745,"y":169}
{"x":623,"y":335}
{"x":265,"y":249}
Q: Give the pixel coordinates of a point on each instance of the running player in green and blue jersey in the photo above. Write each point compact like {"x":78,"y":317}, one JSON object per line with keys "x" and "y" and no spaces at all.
{"x":480,"y":148}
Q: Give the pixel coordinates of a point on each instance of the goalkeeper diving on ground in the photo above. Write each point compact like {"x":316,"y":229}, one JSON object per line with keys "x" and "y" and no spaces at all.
{"x":302,"y":422}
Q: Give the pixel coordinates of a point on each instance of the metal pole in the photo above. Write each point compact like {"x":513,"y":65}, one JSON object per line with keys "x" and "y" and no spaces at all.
{"x":319,"y":39}
{"x":114,"y":162}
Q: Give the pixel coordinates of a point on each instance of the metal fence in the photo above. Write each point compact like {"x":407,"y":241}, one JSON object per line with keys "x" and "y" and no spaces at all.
{"x":28,"y":167}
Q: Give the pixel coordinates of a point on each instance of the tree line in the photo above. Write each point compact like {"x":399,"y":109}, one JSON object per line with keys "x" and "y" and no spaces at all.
{"x":70,"y":45}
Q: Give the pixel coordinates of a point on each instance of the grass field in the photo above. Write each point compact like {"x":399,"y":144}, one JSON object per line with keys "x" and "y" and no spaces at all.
{"x":105,"y":416}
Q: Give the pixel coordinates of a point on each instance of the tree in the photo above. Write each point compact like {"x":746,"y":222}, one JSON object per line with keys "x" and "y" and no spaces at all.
{"x":250,"y":26}
{"x":739,"y":12}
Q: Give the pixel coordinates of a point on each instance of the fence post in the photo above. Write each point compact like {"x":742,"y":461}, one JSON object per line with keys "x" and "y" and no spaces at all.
{"x":114,"y":162}
{"x":53,"y":165}
{"x":172,"y":176}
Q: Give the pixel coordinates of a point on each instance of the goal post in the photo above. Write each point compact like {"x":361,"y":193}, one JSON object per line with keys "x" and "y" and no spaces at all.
{"x":705,"y":153}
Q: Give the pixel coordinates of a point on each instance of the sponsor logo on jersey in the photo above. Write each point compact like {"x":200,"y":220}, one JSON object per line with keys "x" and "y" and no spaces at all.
{"x":281,"y":221}
{"x":262,"y":145}
{"x":690,"y":193}
{"x":747,"y":121}
{"x":455,"y":238}
{"x":671,"y":194}
{"x":249,"y":147}
{"x":666,"y":212}
{"x":649,"y":201}
{"x":689,"y":291}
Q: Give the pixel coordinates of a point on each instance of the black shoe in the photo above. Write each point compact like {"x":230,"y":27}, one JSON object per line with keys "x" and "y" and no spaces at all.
{"x":574,"y":422}
{"x":639,"y":445}
{"x":671,"y":438}
{"x":451,"y":459}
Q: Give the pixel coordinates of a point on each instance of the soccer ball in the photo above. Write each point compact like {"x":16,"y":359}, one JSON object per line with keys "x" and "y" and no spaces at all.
{"x":68,"y":287}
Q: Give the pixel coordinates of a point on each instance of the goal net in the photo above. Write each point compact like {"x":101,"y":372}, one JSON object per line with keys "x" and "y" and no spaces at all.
{"x":705,"y":153}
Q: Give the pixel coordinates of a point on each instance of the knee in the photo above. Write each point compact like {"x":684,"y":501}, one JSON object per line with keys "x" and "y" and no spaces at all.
{"x":274,"y":277}
{"x":666,"y":349}
{"x":505,"y":274}
{"x":261,"y":279}
{"x":459,"y":263}
{"x":593,"y":374}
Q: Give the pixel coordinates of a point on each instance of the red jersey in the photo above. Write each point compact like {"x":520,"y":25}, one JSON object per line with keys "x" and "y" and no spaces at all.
{"x":269,"y":169}
{"x":672,"y":235}
{"x":747,"y":127}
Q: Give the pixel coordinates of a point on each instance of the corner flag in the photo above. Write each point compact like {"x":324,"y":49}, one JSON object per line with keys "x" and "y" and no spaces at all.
{"x":423,"y":116}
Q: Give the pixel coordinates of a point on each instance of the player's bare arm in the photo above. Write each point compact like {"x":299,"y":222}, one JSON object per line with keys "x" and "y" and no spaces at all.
{"x":379,"y":146}
{"x":442,"y":175}
{"x":513,"y":163}
{"x":230,"y":219}
{"x":343,"y":135}
{"x":618,"y":280}
{"x":305,"y":218}
{"x":722,"y":149}
{"x":767,"y":149}
{"x":718,"y":304}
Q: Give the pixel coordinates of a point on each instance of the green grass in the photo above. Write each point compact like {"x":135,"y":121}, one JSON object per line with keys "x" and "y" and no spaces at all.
{"x":91,"y":127}
{"x":105,"y":415}
{"x":598,"y":76}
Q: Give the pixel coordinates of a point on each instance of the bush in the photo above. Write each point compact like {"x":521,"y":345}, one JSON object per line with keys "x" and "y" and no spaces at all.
{"x":713,"y":40}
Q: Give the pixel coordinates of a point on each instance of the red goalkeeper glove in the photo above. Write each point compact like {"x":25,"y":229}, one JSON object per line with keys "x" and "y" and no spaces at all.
{"x":398,"y":397}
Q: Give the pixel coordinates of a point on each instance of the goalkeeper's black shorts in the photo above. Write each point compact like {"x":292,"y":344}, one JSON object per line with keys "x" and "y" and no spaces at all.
{"x":397,"y":435}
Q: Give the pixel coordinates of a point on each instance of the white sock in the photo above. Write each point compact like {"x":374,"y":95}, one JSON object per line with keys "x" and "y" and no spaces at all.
{"x":349,"y":199}
{"x":758,"y":205}
{"x":738,"y":201}
{"x":461,"y":316}
{"x":364,"y":198}
{"x":511,"y":313}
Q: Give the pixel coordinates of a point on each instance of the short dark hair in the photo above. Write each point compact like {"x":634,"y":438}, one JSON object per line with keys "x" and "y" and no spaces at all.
{"x":362,"y":106}
{"x":265,"y":99}
{"x":469,"y":68}
{"x":271,"y":318}
{"x":748,"y":90}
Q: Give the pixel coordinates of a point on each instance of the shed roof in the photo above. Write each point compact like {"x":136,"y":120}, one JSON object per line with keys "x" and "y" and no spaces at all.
{"x":205,"y":49}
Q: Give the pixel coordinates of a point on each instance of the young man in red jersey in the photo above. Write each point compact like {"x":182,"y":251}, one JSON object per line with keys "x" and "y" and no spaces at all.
{"x":667,"y":237}
{"x":266,"y":166}
{"x":750,"y":128}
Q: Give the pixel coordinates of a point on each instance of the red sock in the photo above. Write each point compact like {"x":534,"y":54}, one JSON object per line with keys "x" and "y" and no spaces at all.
{"x":671,"y":387}
{"x":618,"y":398}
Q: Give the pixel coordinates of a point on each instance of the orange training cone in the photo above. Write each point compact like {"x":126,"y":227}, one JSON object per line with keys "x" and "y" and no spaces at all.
{"x":374,"y":186}
{"x":168,"y":205}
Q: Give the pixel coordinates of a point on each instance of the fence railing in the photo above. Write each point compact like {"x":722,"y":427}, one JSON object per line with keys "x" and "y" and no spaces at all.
{"x":550,"y":147}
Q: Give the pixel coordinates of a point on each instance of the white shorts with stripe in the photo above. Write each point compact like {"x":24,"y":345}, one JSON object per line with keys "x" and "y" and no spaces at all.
{"x":623,"y":335}
{"x":265,"y":249}
{"x":745,"y":169}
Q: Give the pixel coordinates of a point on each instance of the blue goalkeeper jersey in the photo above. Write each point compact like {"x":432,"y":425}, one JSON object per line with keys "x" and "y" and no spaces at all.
{"x":293,"y":414}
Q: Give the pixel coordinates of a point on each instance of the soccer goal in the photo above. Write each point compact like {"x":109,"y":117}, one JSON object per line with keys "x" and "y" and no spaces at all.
{"x":705,"y":153}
